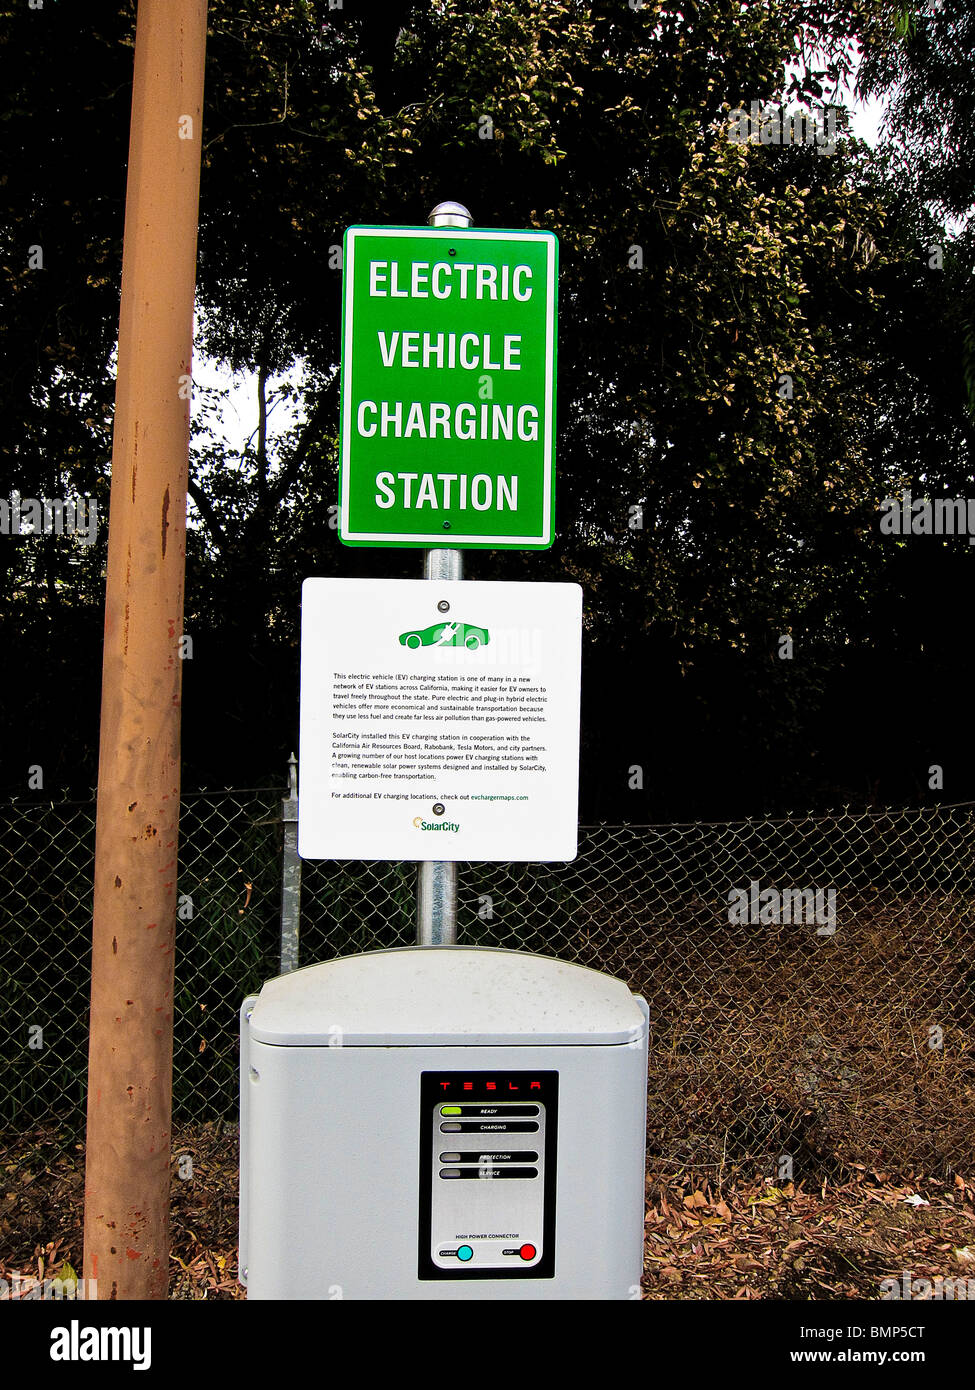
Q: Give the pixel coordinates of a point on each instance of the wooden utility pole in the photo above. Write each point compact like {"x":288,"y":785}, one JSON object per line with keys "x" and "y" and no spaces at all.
{"x":131,"y":1049}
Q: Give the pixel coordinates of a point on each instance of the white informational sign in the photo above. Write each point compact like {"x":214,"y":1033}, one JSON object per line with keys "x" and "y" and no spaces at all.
{"x":439,"y":720}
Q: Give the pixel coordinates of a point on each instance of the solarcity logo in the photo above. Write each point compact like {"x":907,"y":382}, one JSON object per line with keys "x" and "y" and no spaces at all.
{"x":438,"y":810}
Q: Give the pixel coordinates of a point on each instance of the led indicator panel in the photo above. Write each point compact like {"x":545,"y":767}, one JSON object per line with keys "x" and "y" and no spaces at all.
{"x":488,"y":1145}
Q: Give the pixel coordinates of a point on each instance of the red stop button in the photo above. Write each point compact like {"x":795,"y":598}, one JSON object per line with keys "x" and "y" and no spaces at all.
{"x":527,"y":1252}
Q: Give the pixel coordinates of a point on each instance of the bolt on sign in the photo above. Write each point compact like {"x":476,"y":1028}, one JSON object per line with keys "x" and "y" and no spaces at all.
{"x":447,"y":433}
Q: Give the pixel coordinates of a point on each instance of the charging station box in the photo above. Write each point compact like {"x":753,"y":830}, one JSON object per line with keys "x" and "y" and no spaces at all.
{"x":445,"y":1122}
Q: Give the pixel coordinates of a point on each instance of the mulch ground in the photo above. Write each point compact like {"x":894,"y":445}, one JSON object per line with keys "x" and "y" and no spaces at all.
{"x":758,"y":1240}
{"x":752,"y":1239}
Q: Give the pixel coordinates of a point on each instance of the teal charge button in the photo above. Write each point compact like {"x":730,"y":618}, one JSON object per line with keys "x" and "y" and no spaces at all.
{"x":465,"y":1252}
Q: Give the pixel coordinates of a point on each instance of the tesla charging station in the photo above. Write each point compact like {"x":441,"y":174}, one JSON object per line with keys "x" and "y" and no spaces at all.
{"x":443,"y":1121}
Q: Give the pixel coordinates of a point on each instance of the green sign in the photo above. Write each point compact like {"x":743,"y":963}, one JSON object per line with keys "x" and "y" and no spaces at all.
{"x":448,"y":388}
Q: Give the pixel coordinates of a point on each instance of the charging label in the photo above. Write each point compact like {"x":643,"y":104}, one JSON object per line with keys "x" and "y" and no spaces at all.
{"x":487,"y":1174}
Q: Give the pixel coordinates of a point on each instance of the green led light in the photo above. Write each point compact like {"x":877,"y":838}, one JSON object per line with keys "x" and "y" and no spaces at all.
{"x":450,"y":1109}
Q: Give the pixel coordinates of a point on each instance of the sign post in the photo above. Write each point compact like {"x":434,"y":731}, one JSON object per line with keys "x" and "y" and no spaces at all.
{"x":436,"y":879}
{"x":447,"y":435}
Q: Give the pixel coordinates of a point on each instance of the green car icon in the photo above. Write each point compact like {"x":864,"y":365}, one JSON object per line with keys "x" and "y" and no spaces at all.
{"x":446,"y":635}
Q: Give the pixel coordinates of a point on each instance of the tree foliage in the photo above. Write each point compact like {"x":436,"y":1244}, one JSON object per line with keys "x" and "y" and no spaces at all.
{"x":742,"y":378}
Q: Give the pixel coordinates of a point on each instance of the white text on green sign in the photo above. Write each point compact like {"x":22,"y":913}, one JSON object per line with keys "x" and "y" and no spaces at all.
{"x":448,"y":388}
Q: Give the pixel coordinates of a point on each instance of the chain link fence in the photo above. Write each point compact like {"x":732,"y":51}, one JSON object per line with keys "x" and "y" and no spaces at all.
{"x":811,"y":981}
{"x":227,"y":942}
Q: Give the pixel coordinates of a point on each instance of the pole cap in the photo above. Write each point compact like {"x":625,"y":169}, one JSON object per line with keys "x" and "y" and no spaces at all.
{"x":450,"y":215}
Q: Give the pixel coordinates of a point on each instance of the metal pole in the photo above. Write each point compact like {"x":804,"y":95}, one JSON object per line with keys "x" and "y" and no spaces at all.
{"x":130,"y":1063}
{"x":436,"y":881}
{"x":290,"y":873}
